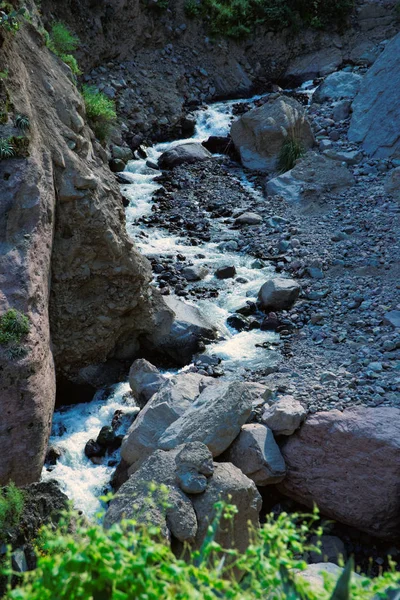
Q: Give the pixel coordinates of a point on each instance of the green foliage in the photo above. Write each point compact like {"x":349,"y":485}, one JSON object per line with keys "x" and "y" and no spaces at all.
{"x":10,"y":18}
{"x":291,"y":150}
{"x":72,"y":63}
{"x":192,"y":8}
{"x":6,"y":150}
{"x":238,"y":18}
{"x":4,"y":74}
{"x":129,"y":562}
{"x":158,"y":5}
{"x":100,"y":111}
{"x":12,"y":502}
{"x":22,"y":122}
{"x":62,"y":40}
{"x":14,"y":326}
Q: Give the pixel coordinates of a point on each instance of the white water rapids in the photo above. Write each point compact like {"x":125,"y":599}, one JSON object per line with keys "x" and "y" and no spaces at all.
{"x":73,"y":426}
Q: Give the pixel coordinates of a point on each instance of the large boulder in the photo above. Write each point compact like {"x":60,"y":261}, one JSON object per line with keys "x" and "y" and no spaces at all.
{"x":284,"y":416}
{"x":259,"y":134}
{"x":187,"y":335}
{"x":229,"y":484}
{"x":311,"y":177}
{"x":145,"y":380}
{"x":257,"y":455}
{"x":189,"y":153}
{"x":214,"y":418}
{"x":348,"y":464}
{"x":278,"y":294}
{"x":337,"y":86}
{"x":187,"y":486}
{"x":165,"y":407}
{"x":376,"y":110}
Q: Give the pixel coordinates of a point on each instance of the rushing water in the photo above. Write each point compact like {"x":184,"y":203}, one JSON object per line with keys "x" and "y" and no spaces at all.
{"x":73,"y":426}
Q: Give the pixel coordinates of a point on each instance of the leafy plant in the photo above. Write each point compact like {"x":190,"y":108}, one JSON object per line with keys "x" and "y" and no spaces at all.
{"x":12,"y":501}
{"x":22,"y":122}
{"x":192,"y":8}
{"x":291,"y":150}
{"x":6,"y":149}
{"x":72,"y":63}
{"x":4,"y":74}
{"x":100,"y":111}
{"x":14,"y":325}
{"x":10,"y":18}
{"x":129,"y":561}
{"x":62,"y":40}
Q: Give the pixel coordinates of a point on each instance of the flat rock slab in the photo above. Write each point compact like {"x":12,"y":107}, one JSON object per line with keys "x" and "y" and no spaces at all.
{"x":348,"y":463}
{"x":183,"y":154}
{"x":284,"y":416}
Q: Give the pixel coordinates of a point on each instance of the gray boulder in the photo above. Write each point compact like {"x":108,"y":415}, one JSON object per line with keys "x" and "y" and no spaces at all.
{"x":145,"y":380}
{"x":375,"y":120}
{"x":392,"y":183}
{"x":183,"y":154}
{"x":165,"y":407}
{"x":278,"y":294}
{"x":332,"y":549}
{"x":194,"y":465}
{"x":258,"y":135}
{"x":311,"y":177}
{"x":214,"y":418}
{"x":348,"y":464}
{"x":228,"y":483}
{"x":249,"y":218}
{"x":392,"y":317}
{"x":189,"y":331}
{"x":194,"y":273}
{"x":337,"y":86}
{"x":284,"y":416}
{"x":257,"y":455}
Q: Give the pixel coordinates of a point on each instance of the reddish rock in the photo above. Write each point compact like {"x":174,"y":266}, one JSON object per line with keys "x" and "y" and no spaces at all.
{"x":349,"y":465}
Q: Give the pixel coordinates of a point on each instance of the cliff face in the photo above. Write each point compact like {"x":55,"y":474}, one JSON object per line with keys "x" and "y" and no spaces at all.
{"x":61,"y":228}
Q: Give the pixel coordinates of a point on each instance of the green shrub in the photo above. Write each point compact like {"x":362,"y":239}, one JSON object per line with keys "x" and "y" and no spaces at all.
{"x":62,"y":40}
{"x":128,"y":562}
{"x":291,"y":150}
{"x":72,"y":63}
{"x":22,"y":122}
{"x":14,"y":326}
{"x":100,"y":111}
{"x":12,"y":502}
{"x":6,"y":148}
{"x":192,"y":8}
{"x":10,"y":18}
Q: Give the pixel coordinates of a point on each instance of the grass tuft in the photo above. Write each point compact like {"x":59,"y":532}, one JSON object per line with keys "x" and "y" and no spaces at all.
{"x":100,"y":111}
{"x":291,"y":150}
{"x":12,"y":501}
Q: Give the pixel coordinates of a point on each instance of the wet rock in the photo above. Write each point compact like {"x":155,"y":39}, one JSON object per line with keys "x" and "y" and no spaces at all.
{"x":106,"y":438}
{"x":226,"y":272}
{"x":214,"y":418}
{"x":123,"y":153}
{"x":53,"y":454}
{"x":284,"y":416}
{"x":347,"y":463}
{"x":259,"y":134}
{"x":238,"y":322}
{"x":18,"y":561}
{"x":249,"y":218}
{"x":257,"y":455}
{"x":145,"y":380}
{"x":219,"y":145}
{"x":93,"y":449}
{"x":194,"y":273}
{"x":337,"y":86}
{"x":378,"y":98}
{"x":116,"y":165}
{"x":188,"y":333}
{"x":183,"y":154}
{"x":166,"y":406}
{"x":278,"y":294}
{"x":270,"y":323}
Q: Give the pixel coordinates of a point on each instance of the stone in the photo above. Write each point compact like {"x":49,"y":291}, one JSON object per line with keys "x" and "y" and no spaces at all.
{"x":257,"y":455}
{"x":194,"y":273}
{"x":249,"y":218}
{"x":117,"y":165}
{"x":219,"y":145}
{"x":337,"y":86}
{"x":258,"y":135}
{"x":228,"y":484}
{"x":313,"y":574}
{"x":226,"y":272}
{"x":375,"y":122}
{"x":392,"y":183}
{"x":194,"y":465}
{"x":189,"y":153}
{"x":52,"y":455}
{"x":145,"y":380}
{"x":106,"y":437}
{"x":187,"y":334}
{"x":341,"y":110}
{"x":350,"y":157}
{"x":278,"y":294}
{"x":311,"y":177}
{"x":284,"y":416}
{"x":314,"y":64}
{"x":214,"y":418}
{"x":166,"y":406}
{"x":123,"y":153}
{"x":332,"y":549}
{"x":392,"y":317}
{"x":347,"y":463}
{"x":93,"y":449}
{"x":18,"y":561}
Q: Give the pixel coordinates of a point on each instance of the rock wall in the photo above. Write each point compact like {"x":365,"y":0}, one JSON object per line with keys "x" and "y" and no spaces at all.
{"x":61,"y":228}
